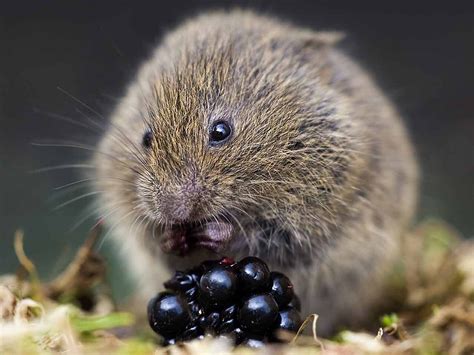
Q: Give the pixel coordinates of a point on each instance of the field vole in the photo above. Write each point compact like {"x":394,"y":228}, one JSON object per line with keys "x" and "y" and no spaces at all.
{"x":243,"y":135}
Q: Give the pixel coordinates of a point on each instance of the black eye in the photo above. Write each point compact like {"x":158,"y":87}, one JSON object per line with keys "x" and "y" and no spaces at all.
{"x":219,"y":132}
{"x":146,"y":141}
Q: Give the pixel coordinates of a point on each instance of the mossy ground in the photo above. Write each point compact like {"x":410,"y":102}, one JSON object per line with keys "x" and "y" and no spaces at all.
{"x":431,"y":308}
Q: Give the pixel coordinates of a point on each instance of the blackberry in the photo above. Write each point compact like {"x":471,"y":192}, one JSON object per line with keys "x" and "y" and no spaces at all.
{"x":217,"y":287}
{"x":244,"y":301}
{"x":254,"y":275}
{"x":295,"y":303}
{"x":168,"y":314}
{"x":181,"y":282}
{"x":259,"y":313}
{"x":289,"y":319}
{"x":282,"y":288}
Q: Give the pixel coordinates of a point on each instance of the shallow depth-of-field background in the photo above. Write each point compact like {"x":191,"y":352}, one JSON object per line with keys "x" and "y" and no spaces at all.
{"x":420,"y":53}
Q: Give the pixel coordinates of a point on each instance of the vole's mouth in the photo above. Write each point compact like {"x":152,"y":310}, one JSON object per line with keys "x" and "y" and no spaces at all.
{"x":182,"y":238}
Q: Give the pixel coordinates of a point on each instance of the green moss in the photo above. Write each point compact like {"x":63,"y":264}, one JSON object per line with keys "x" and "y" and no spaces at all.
{"x":389,"y":320}
{"x":84,"y":324}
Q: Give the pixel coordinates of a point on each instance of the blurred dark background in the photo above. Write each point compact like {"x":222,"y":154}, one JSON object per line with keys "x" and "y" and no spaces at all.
{"x":422,"y":54}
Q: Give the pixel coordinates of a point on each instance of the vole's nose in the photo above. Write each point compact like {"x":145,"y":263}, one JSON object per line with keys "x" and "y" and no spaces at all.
{"x":183,"y":204}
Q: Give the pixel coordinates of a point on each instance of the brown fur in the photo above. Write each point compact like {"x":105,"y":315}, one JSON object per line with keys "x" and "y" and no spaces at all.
{"x":319,"y":178}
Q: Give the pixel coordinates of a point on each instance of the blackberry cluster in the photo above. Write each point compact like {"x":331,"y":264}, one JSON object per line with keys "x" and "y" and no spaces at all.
{"x":242,"y":300}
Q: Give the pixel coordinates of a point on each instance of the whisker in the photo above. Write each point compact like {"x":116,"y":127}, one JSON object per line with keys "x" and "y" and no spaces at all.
{"x":95,"y":211}
{"x":137,"y":153}
{"x":153,"y":230}
{"x":69,"y":120}
{"x":111,"y":229}
{"x":76,"y":199}
{"x":90,"y":119}
{"x":80,"y":102}
{"x":76,"y":145}
{"x":99,"y":115}
{"x":72,"y":184}
{"x":63,"y":166}
{"x":242,"y":229}
{"x":109,"y":180}
{"x":84,"y":218}
{"x":58,"y":195}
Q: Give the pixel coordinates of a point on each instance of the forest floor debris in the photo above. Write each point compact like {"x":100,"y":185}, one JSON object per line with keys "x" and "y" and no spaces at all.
{"x":432,"y":308}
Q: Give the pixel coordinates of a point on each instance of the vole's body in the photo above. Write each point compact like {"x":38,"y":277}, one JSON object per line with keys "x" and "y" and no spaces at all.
{"x":318,"y":177}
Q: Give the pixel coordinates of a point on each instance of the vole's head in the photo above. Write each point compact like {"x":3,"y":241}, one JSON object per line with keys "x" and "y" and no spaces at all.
{"x":222,"y":136}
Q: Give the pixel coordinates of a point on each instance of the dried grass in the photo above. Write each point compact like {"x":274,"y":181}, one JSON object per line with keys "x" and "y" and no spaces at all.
{"x":432,"y":293}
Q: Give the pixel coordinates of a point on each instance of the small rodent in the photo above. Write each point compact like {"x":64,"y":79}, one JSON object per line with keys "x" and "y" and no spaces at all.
{"x":244,"y":135}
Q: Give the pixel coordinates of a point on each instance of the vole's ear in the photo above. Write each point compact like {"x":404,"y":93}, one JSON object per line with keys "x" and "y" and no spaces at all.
{"x":308,"y":47}
{"x":304,"y":40}
{"x":319,"y":39}
{"x":314,"y":47}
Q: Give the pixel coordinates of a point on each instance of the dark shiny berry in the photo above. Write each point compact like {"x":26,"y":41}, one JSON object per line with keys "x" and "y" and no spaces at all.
{"x":259,"y":314}
{"x":254,"y":275}
{"x":205,"y":266}
{"x":191,"y":294}
{"x":243,"y":301}
{"x":195,"y":274}
{"x":168,"y":314}
{"x":195,"y":310}
{"x":290,"y":320}
{"x":229,"y":313}
{"x":227,"y":326}
{"x":281,"y":289}
{"x":217,"y":287}
{"x":295,"y":303}
{"x":180,"y":282}
{"x":210,"y":322}
{"x":193,"y":331}
{"x":219,"y":132}
{"x":147,"y":138}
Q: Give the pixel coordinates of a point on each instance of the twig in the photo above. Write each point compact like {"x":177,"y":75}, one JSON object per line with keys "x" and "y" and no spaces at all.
{"x":73,"y":278}
{"x":314,"y":317}
{"x":27,"y":264}
{"x":379,"y":334}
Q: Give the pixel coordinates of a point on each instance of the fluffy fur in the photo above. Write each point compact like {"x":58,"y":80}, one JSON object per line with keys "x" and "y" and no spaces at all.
{"x":319,"y":178}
